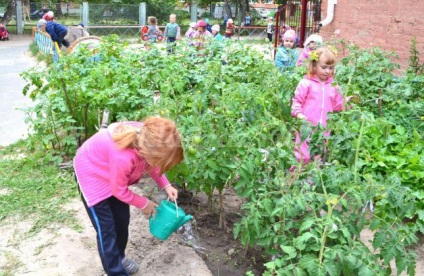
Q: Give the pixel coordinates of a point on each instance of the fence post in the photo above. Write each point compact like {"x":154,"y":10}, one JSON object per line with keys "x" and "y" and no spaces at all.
{"x":142,"y":14}
{"x":19,"y":21}
{"x":85,"y":12}
{"x":194,"y":12}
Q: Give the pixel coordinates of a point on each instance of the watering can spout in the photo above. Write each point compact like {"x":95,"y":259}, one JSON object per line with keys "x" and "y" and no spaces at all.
{"x":186,"y":219}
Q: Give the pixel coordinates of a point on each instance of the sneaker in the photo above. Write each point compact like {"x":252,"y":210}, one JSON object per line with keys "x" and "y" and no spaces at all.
{"x":130,"y":266}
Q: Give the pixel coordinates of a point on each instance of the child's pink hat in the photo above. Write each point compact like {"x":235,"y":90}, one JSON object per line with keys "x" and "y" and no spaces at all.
{"x":290,"y":34}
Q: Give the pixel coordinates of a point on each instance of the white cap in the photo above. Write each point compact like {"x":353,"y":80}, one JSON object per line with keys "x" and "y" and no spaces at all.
{"x":215,"y":28}
{"x":41,"y":23}
{"x":313,"y":37}
{"x":193,"y":24}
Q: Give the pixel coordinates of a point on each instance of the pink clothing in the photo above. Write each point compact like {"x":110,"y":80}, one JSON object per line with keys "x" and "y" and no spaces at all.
{"x":315,"y":100}
{"x":201,"y":37}
{"x":103,"y":170}
{"x":304,"y":55}
{"x":190,"y":33}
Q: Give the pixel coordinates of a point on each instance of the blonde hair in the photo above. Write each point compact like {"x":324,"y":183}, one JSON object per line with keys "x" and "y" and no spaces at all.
{"x":152,"y":20}
{"x":324,"y":53}
{"x":157,"y":141}
{"x":172,"y":15}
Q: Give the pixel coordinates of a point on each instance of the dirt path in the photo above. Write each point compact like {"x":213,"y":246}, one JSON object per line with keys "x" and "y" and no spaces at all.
{"x":64,"y":251}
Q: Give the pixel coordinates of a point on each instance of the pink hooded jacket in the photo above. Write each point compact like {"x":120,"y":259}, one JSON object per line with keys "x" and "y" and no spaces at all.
{"x":304,"y":55}
{"x":103,"y":170}
{"x":315,"y":100}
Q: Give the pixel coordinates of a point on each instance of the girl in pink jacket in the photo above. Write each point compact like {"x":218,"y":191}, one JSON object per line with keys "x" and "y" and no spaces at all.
{"x":311,"y":43}
{"x":315,"y":97}
{"x":107,"y":164}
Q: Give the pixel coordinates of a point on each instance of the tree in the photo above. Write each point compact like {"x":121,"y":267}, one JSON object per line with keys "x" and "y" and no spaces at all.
{"x":8,"y":15}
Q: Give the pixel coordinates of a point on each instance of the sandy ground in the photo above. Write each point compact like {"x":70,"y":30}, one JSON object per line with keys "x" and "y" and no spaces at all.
{"x":64,"y":251}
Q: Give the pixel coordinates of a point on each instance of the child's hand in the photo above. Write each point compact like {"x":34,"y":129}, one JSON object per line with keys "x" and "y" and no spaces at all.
{"x":172,"y":193}
{"x":149,"y":210}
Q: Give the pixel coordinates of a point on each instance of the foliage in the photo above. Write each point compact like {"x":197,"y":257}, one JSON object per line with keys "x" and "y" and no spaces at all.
{"x":416,"y":66}
{"x":233,"y":110}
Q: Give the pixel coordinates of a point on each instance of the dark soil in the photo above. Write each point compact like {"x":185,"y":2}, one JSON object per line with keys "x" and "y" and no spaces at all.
{"x":222,"y":253}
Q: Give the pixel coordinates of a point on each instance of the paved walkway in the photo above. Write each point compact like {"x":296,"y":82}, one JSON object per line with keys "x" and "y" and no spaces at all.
{"x":14,"y":60}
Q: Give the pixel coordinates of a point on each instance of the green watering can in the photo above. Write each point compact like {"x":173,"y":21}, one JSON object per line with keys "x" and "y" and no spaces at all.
{"x":169,"y":217}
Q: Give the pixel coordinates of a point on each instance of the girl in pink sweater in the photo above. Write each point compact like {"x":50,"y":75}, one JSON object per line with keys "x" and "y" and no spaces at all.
{"x":315,"y":97}
{"x":107,"y":164}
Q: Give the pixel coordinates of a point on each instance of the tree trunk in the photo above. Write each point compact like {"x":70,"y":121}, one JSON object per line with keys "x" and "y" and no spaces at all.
{"x":58,"y":13}
{"x":8,"y":15}
{"x":244,"y":6}
{"x":228,"y":9}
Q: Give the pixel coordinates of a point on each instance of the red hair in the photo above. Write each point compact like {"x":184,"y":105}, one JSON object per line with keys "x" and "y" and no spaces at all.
{"x":157,"y":141}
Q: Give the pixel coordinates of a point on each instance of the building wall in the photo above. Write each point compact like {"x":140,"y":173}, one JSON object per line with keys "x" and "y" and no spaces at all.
{"x":389,"y":24}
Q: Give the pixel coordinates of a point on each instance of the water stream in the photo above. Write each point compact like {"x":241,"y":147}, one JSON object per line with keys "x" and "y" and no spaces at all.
{"x":189,"y":236}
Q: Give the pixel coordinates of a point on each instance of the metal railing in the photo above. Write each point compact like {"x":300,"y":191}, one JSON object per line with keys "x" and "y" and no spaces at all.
{"x":45,"y":44}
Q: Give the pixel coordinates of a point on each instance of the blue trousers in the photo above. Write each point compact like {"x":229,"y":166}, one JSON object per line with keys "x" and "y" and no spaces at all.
{"x":110,"y":218}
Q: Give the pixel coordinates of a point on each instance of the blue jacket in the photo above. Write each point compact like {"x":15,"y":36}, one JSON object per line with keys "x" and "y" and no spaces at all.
{"x":56,"y":31}
{"x":285,"y":58}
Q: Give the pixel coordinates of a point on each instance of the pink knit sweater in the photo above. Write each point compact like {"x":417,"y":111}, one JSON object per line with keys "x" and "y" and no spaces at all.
{"x":103,"y":170}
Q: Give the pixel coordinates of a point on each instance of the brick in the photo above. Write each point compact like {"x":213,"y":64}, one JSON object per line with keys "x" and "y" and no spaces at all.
{"x":379,"y":23}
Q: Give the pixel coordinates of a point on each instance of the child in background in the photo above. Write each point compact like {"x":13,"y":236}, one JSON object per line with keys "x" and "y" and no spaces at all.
{"x":287,"y":54}
{"x":172,"y":33}
{"x":315,"y":97}
{"x":247,"y":20}
{"x":107,"y":164}
{"x":215,"y":32}
{"x":311,"y":43}
{"x":48,"y":16}
{"x":190,"y":33}
{"x":153,"y":29}
{"x":229,"y":29}
{"x":208,"y":26}
{"x":201,"y":35}
{"x":270,"y":29}
{"x":84,"y":31}
{"x":4,"y":34}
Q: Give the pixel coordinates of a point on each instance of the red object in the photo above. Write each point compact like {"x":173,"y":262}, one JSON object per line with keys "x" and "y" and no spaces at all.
{"x":201,"y":23}
{"x":4,"y":34}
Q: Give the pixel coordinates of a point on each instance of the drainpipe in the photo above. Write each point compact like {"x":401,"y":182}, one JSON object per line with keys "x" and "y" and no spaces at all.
{"x":330,"y":13}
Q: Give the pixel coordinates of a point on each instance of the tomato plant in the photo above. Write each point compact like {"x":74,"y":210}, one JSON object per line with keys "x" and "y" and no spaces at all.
{"x":237,"y":130}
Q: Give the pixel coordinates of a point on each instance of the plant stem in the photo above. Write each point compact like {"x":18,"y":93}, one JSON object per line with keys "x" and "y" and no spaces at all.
{"x":355,"y":169}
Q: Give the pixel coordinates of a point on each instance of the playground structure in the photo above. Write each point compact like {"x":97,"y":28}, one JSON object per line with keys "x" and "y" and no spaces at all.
{"x":91,"y":42}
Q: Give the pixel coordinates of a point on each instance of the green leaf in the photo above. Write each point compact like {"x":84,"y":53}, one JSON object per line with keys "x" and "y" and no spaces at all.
{"x":375,"y":224}
{"x":306,"y":225}
{"x":310,"y":263}
{"x":299,"y":242}
{"x":365,"y":271}
{"x":331,"y":268}
{"x":290,"y":251}
{"x":379,"y":238}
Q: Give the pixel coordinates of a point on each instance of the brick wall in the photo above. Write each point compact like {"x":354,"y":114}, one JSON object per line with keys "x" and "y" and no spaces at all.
{"x":389,"y":24}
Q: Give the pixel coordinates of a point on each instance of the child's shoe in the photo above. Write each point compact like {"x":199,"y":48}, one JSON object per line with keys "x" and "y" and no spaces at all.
{"x":130,"y":266}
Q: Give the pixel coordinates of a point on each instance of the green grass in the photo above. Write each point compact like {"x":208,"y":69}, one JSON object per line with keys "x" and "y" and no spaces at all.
{"x":40,"y":56}
{"x":32,"y":188}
